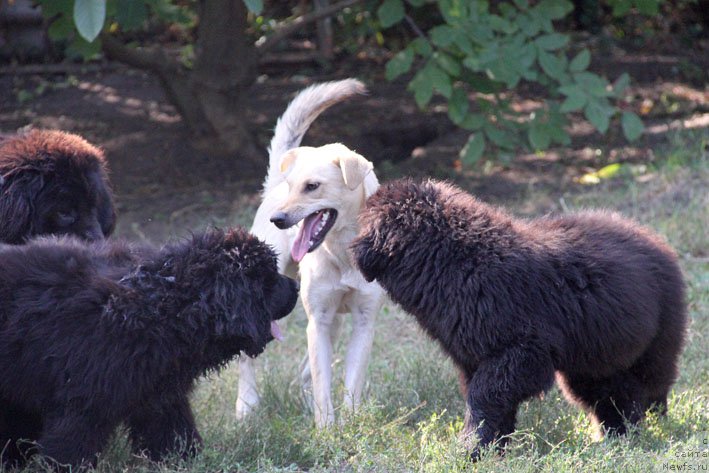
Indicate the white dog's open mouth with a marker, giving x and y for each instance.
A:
(312, 232)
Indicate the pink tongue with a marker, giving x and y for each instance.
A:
(276, 331)
(302, 241)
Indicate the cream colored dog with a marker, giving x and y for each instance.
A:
(311, 200)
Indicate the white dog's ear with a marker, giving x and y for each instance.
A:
(354, 169)
(288, 159)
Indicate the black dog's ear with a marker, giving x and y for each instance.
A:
(107, 218)
(106, 210)
(370, 261)
(17, 196)
(238, 316)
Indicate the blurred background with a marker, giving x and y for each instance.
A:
(504, 97)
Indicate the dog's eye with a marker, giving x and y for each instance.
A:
(65, 219)
(311, 186)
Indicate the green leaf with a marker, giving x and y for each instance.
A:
(80, 48)
(554, 9)
(648, 7)
(442, 35)
(621, 7)
(499, 136)
(458, 105)
(500, 24)
(473, 149)
(539, 136)
(448, 63)
(422, 86)
(61, 28)
(254, 6)
(51, 8)
(522, 4)
(131, 14)
(620, 84)
(416, 3)
(598, 114)
(472, 122)
(440, 80)
(463, 42)
(606, 172)
(421, 47)
(581, 61)
(593, 84)
(573, 103)
(632, 126)
(483, 84)
(553, 41)
(553, 66)
(400, 64)
(89, 16)
(529, 24)
(390, 12)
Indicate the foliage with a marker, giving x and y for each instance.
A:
(81, 21)
(491, 49)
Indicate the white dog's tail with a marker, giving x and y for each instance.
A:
(296, 120)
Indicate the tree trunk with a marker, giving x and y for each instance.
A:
(225, 68)
(210, 97)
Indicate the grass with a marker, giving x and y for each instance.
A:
(413, 412)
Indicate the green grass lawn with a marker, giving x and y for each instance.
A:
(413, 411)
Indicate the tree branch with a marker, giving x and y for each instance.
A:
(287, 29)
(153, 60)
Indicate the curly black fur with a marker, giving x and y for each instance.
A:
(53, 183)
(591, 296)
(92, 335)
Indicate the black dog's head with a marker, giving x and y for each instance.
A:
(401, 218)
(53, 183)
(229, 282)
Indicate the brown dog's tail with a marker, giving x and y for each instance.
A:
(301, 112)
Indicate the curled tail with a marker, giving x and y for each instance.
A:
(301, 112)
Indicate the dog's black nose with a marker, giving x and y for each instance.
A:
(279, 220)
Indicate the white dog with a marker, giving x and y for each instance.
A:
(311, 199)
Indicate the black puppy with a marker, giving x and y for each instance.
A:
(53, 183)
(98, 334)
(592, 297)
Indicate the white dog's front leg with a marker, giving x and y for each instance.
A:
(305, 377)
(248, 397)
(358, 352)
(320, 354)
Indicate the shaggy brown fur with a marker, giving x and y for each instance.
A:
(92, 335)
(592, 297)
(53, 182)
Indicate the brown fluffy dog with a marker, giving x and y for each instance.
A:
(53, 182)
(592, 297)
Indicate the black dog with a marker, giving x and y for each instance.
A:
(591, 296)
(53, 183)
(92, 335)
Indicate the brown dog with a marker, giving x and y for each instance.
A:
(53, 182)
